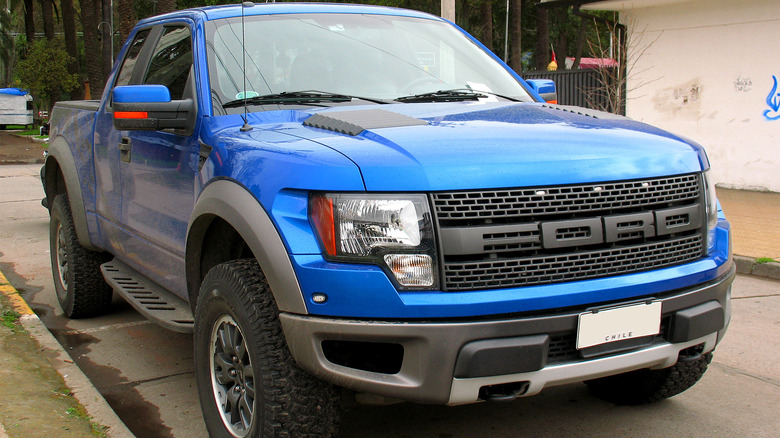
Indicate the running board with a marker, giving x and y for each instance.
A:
(151, 300)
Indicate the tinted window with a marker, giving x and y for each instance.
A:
(171, 61)
(123, 78)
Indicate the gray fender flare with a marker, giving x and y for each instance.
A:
(234, 204)
(60, 151)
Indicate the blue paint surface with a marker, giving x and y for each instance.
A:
(773, 101)
(144, 208)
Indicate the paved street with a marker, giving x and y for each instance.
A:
(146, 373)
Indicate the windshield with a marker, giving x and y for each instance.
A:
(371, 56)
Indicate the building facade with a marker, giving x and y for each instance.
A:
(709, 70)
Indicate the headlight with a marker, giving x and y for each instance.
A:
(712, 210)
(393, 231)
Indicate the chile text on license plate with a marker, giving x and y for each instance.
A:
(617, 324)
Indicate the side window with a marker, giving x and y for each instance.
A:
(123, 78)
(171, 61)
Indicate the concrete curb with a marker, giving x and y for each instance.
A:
(30, 137)
(27, 161)
(96, 406)
(749, 266)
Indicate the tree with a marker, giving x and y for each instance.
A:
(542, 52)
(45, 72)
(71, 45)
(562, 26)
(486, 17)
(127, 17)
(107, 37)
(91, 15)
(47, 8)
(611, 94)
(165, 6)
(516, 31)
(6, 45)
(29, 20)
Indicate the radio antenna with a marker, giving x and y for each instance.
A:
(246, 126)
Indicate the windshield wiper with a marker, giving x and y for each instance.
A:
(288, 97)
(442, 96)
(296, 98)
(513, 99)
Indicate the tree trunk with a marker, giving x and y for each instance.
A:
(542, 52)
(165, 6)
(127, 18)
(47, 14)
(29, 20)
(462, 15)
(107, 37)
(90, 16)
(516, 28)
(562, 42)
(580, 43)
(486, 17)
(69, 26)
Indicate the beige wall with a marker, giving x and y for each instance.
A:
(706, 74)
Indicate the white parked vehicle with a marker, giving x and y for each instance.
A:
(16, 107)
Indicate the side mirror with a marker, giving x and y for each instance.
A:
(150, 108)
(545, 88)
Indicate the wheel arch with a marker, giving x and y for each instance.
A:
(61, 176)
(228, 213)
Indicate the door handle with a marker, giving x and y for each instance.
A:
(124, 149)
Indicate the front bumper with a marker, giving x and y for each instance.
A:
(453, 362)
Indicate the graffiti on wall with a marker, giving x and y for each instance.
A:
(743, 84)
(773, 100)
(681, 101)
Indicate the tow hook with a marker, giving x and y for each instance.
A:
(691, 354)
(504, 392)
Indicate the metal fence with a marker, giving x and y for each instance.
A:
(578, 87)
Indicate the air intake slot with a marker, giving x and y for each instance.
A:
(355, 122)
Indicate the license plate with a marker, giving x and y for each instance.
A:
(618, 324)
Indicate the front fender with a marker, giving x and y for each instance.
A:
(237, 206)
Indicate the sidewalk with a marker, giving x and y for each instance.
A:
(42, 393)
(755, 224)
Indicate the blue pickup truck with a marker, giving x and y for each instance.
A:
(364, 200)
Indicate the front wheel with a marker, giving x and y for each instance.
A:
(647, 386)
(248, 382)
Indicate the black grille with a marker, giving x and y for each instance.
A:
(529, 271)
(563, 348)
(543, 201)
(546, 235)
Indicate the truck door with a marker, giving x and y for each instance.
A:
(158, 171)
(108, 196)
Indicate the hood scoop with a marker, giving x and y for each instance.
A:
(355, 122)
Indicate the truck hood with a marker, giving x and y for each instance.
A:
(474, 145)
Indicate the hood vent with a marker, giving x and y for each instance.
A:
(355, 122)
(596, 114)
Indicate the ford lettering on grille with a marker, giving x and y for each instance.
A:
(575, 232)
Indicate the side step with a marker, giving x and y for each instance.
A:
(151, 300)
